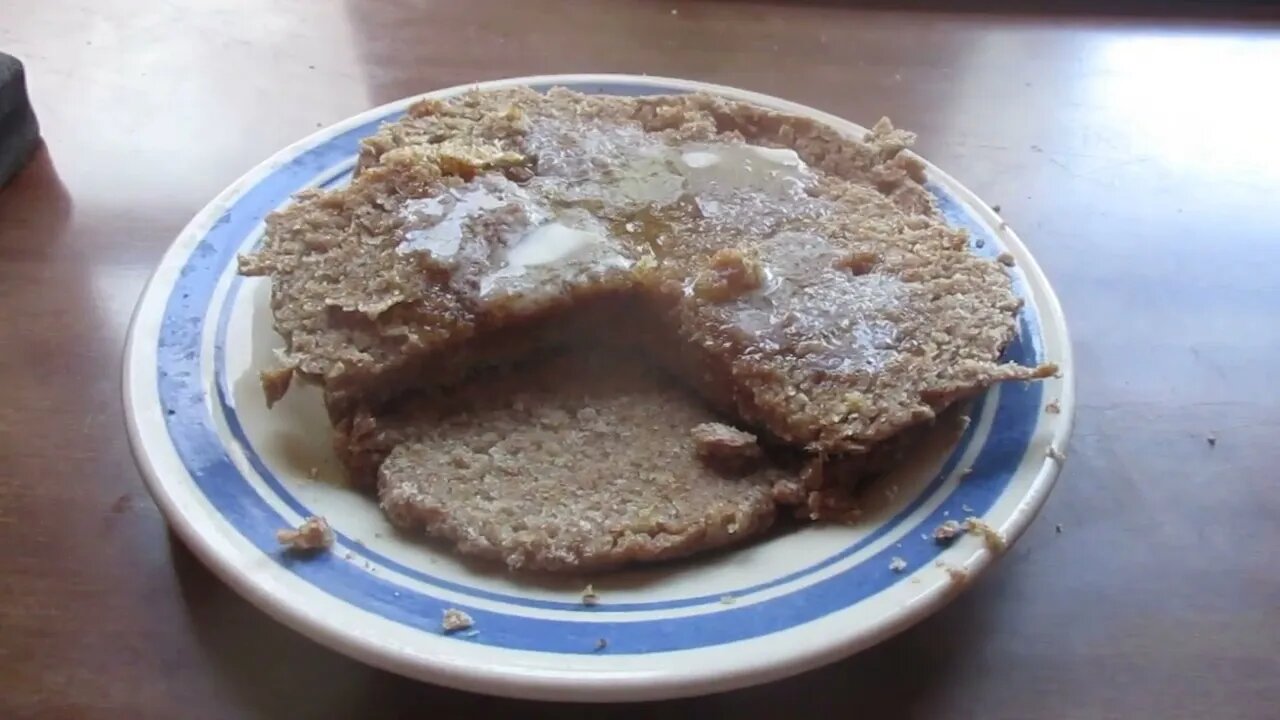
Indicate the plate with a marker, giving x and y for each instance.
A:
(228, 474)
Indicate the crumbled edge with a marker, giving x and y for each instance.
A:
(726, 447)
(947, 531)
(858, 262)
(957, 575)
(589, 596)
(1053, 408)
(730, 274)
(1055, 454)
(313, 534)
(897, 564)
(275, 383)
(992, 537)
(454, 620)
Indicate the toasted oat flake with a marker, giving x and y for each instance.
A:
(455, 620)
(313, 534)
(992, 537)
(947, 531)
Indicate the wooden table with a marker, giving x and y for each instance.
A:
(1140, 160)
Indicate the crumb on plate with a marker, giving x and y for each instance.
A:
(992, 537)
(455, 620)
(313, 534)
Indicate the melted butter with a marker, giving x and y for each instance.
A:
(729, 166)
(439, 225)
(553, 242)
(810, 308)
(555, 251)
(607, 192)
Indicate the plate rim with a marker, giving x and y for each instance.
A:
(602, 686)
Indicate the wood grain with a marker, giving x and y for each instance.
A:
(1138, 158)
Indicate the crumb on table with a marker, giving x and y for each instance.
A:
(589, 596)
(897, 564)
(313, 534)
(1053, 408)
(1055, 454)
(1005, 259)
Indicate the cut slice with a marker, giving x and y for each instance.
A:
(580, 461)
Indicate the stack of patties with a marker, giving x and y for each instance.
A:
(578, 331)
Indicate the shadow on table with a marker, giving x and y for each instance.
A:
(36, 207)
(275, 672)
(1163, 10)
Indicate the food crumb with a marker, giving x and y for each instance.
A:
(728, 599)
(947, 531)
(994, 540)
(730, 274)
(957, 575)
(601, 644)
(1212, 440)
(726, 447)
(897, 564)
(1055, 454)
(1053, 408)
(455, 620)
(967, 472)
(966, 508)
(675, 12)
(1005, 259)
(1058, 528)
(313, 534)
(995, 208)
(589, 596)
(313, 473)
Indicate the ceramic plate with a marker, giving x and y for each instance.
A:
(228, 474)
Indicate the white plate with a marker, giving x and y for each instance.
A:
(227, 474)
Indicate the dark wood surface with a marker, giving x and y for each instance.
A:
(1139, 158)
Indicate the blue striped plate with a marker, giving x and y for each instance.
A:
(228, 474)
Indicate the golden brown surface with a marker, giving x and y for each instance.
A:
(807, 275)
(1136, 157)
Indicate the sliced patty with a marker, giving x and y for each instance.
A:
(580, 462)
